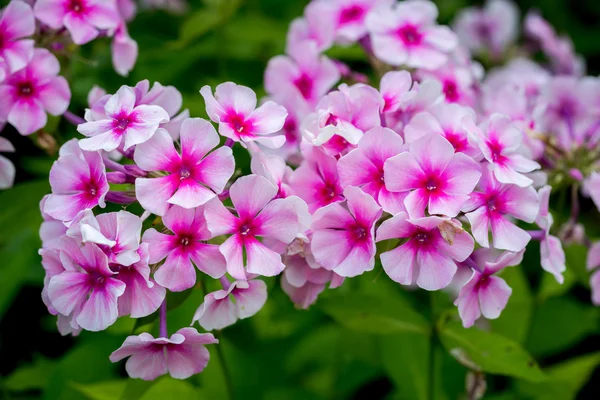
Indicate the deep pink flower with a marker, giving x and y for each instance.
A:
(342, 117)
(493, 206)
(259, 214)
(343, 239)
(489, 29)
(447, 120)
(305, 73)
(124, 123)
(485, 293)
(193, 177)
(363, 167)
(142, 295)
(184, 246)
(429, 256)
(84, 19)
(316, 181)
(552, 255)
(234, 108)
(181, 356)
(500, 142)
(7, 168)
(16, 23)
(219, 309)
(78, 181)
(438, 179)
(593, 262)
(124, 50)
(407, 35)
(28, 94)
(87, 287)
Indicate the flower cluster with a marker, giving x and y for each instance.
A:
(440, 168)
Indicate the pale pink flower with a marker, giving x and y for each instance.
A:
(124, 50)
(28, 94)
(142, 295)
(593, 262)
(233, 107)
(447, 120)
(7, 168)
(427, 258)
(493, 206)
(363, 167)
(408, 35)
(16, 23)
(316, 181)
(219, 309)
(343, 239)
(552, 254)
(185, 245)
(394, 85)
(127, 9)
(181, 356)
(315, 26)
(275, 170)
(84, 19)
(193, 177)
(259, 214)
(421, 97)
(489, 29)
(78, 181)
(124, 123)
(500, 142)
(591, 187)
(485, 293)
(87, 288)
(436, 177)
(459, 82)
(51, 230)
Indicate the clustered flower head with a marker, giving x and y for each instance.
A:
(445, 167)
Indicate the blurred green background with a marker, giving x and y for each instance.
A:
(330, 351)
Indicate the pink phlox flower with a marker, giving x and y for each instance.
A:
(88, 288)
(51, 230)
(591, 188)
(142, 295)
(429, 255)
(181, 356)
(317, 181)
(492, 28)
(275, 170)
(593, 262)
(343, 239)
(28, 94)
(219, 309)
(124, 50)
(500, 142)
(363, 167)
(394, 85)
(552, 254)
(420, 97)
(193, 176)
(7, 168)
(448, 121)
(315, 27)
(437, 178)
(16, 23)
(342, 117)
(124, 123)
(459, 82)
(259, 214)
(78, 182)
(305, 73)
(127, 9)
(185, 247)
(494, 205)
(408, 35)
(84, 19)
(233, 107)
(485, 293)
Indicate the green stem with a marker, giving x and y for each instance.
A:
(226, 374)
(432, 345)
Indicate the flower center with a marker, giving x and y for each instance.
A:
(332, 120)
(359, 232)
(76, 6)
(450, 91)
(185, 240)
(290, 128)
(422, 237)
(410, 35)
(483, 29)
(351, 14)
(237, 123)
(25, 89)
(245, 229)
(431, 184)
(496, 150)
(123, 121)
(566, 110)
(184, 173)
(329, 192)
(491, 204)
(304, 85)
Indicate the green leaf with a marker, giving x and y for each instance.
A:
(577, 320)
(170, 388)
(516, 317)
(108, 390)
(488, 352)
(136, 388)
(551, 288)
(565, 379)
(206, 19)
(371, 313)
(576, 256)
(30, 377)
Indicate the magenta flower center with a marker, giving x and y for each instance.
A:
(91, 189)
(450, 91)
(422, 237)
(351, 14)
(458, 142)
(566, 109)
(496, 150)
(332, 120)
(238, 123)
(304, 85)
(483, 29)
(2, 41)
(185, 240)
(184, 173)
(25, 89)
(359, 233)
(77, 6)
(410, 35)
(290, 127)
(431, 184)
(246, 229)
(123, 121)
